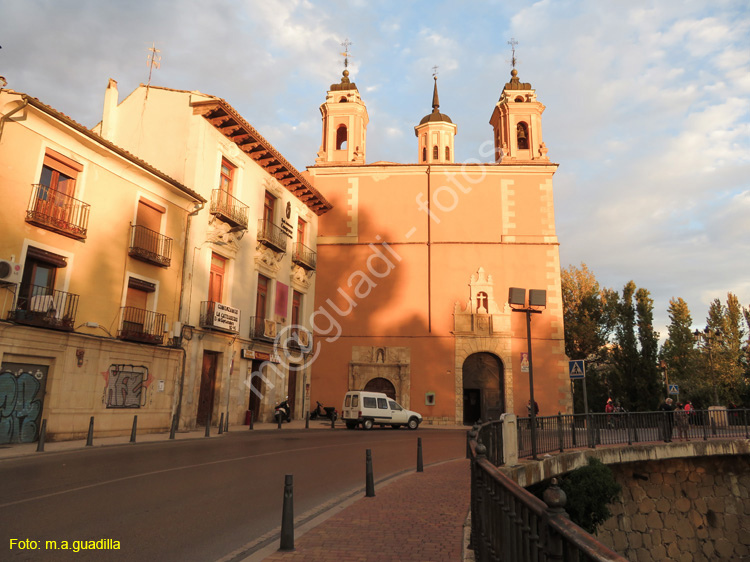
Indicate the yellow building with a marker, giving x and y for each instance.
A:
(250, 263)
(416, 262)
(91, 262)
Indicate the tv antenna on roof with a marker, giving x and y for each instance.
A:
(346, 43)
(154, 61)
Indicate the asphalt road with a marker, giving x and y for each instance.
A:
(196, 499)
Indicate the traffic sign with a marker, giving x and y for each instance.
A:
(577, 369)
(674, 389)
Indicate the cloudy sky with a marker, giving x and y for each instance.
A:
(648, 102)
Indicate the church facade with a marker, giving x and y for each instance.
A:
(416, 261)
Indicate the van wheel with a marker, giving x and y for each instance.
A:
(367, 424)
(413, 423)
(351, 425)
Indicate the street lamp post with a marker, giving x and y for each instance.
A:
(537, 301)
(708, 337)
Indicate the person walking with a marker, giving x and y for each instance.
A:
(681, 417)
(609, 409)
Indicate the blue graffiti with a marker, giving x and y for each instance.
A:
(20, 408)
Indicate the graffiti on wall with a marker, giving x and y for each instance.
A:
(21, 395)
(125, 384)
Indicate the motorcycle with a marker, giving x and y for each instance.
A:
(327, 412)
(282, 412)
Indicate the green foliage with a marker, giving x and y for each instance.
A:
(589, 490)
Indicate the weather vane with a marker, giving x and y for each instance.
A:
(513, 44)
(346, 43)
(434, 71)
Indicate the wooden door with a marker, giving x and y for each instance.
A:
(208, 388)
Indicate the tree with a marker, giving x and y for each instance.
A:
(587, 320)
(635, 377)
(678, 352)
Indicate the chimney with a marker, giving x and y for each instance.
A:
(109, 116)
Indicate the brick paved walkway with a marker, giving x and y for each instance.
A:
(416, 518)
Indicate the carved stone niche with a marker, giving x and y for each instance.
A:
(381, 362)
(480, 315)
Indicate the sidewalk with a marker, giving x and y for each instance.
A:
(417, 517)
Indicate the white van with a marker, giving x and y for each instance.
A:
(370, 408)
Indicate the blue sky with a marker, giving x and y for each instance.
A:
(648, 103)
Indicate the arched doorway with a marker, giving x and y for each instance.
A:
(381, 385)
(483, 385)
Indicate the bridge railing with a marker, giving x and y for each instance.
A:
(573, 431)
(509, 524)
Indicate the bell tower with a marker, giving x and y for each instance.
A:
(517, 123)
(344, 125)
(435, 133)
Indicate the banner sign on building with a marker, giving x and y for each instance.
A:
(226, 317)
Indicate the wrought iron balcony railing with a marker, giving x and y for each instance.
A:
(219, 316)
(271, 235)
(142, 325)
(56, 211)
(150, 246)
(263, 329)
(304, 256)
(45, 307)
(229, 209)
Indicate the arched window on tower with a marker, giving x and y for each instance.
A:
(435, 153)
(424, 154)
(447, 154)
(343, 99)
(522, 135)
(482, 302)
(341, 137)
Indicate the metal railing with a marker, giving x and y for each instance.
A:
(510, 524)
(271, 235)
(304, 256)
(262, 328)
(149, 245)
(141, 325)
(41, 306)
(562, 432)
(229, 209)
(58, 212)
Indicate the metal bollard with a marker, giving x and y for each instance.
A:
(226, 423)
(333, 422)
(173, 429)
(252, 415)
(279, 421)
(135, 428)
(42, 436)
(307, 420)
(90, 437)
(221, 424)
(287, 515)
(208, 426)
(369, 480)
(420, 466)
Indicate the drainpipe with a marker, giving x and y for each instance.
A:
(7, 116)
(198, 207)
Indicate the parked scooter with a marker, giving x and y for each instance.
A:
(282, 411)
(327, 412)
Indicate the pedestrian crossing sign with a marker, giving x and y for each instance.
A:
(577, 369)
(674, 389)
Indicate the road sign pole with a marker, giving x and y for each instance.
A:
(585, 398)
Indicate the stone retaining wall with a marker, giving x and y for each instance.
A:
(683, 509)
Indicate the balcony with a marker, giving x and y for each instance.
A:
(229, 209)
(300, 340)
(46, 308)
(263, 329)
(150, 246)
(304, 256)
(271, 235)
(141, 325)
(217, 316)
(58, 212)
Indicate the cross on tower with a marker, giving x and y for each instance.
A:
(346, 43)
(513, 44)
